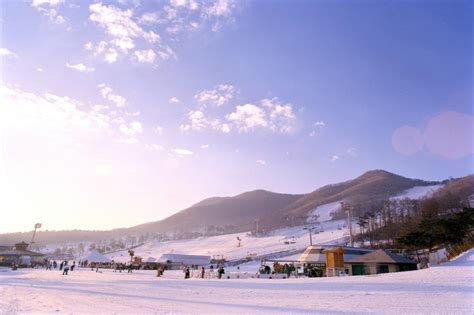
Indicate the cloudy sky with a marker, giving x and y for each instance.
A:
(118, 113)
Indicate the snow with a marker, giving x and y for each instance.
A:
(448, 288)
(325, 211)
(418, 192)
(227, 244)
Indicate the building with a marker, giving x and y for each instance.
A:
(19, 255)
(182, 259)
(328, 260)
(379, 261)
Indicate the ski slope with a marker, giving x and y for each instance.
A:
(447, 289)
(418, 192)
(227, 244)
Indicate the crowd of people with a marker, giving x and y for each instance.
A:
(66, 266)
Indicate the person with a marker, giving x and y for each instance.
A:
(49, 265)
(61, 266)
(66, 268)
(130, 268)
(73, 265)
(203, 271)
(55, 264)
(220, 271)
(186, 272)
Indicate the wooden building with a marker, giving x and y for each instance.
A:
(379, 261)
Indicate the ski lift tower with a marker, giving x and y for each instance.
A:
(37, 226)
(347, 207)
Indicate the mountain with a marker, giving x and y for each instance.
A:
(369, 188)
(237, 213)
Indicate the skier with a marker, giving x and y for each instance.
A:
(61, 266)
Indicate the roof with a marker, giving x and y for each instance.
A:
(15, 252)
(316, 254)
(96, 257)
(381, 256)
(185, 259)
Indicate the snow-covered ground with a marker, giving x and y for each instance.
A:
(418, 192)
(447, 289)
(324, 211)
(227, 244)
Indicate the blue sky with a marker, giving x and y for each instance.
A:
(145, 107)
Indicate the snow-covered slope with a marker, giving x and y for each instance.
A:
(448, 289)
(324, 211)
(227, 244)
(418, 192)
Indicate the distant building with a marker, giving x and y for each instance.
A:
(182, 259)
(379, 261)
(19, 255)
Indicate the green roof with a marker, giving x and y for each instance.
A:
(381, 256)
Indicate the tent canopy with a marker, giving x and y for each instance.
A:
(96, 257)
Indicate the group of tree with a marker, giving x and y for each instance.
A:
(443, 219)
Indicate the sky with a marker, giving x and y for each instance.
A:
(116, 113)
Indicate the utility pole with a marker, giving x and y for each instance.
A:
(310, 229)
(37, 226)
(345, 206)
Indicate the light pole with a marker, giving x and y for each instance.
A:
(37, 226)
(346, 207)
(310, 229)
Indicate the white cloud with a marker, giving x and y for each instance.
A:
(247, 117)
(145, 56)
(334, 158)
(312, 133)
(119, 24)
(151, 37)
(51, 115)
(130, 140)
(47, 8)
(182, 152)
(281, 114)
(37, 3)
(218, 96)
(132, 129)
(154, 147)
(158, 130)
(352, 152)
(107, 93)
(150, 18)
(186, 4)
(220, 8)
(167, 53)
(8, 53)
(319, 124)
(205, 146)
(174, 99)
(80, 67)
(39, 69)
(261, 162)
(197, 120)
